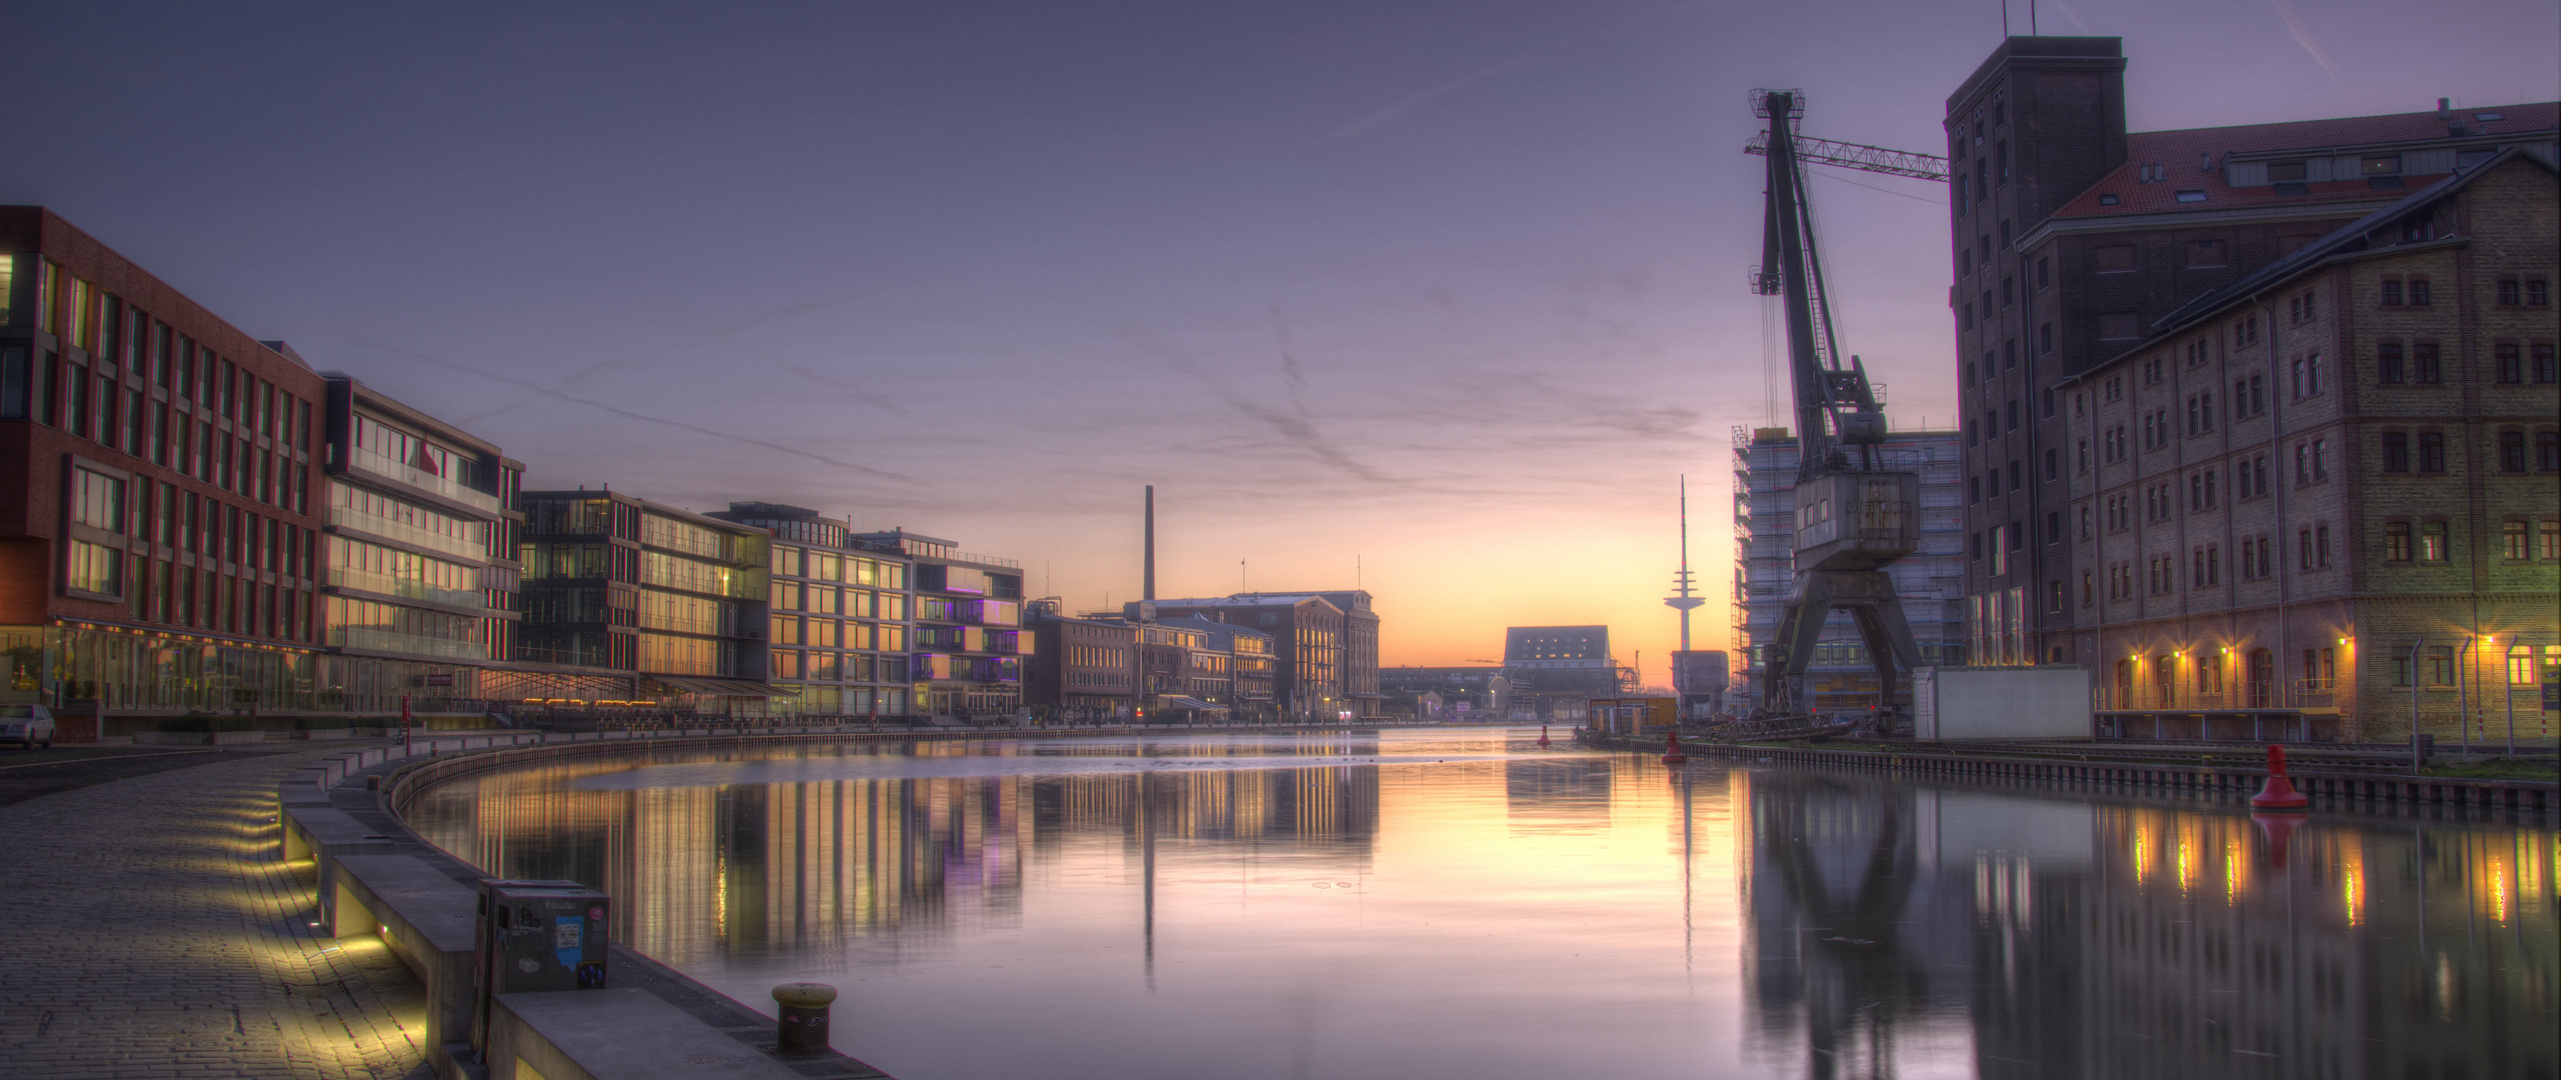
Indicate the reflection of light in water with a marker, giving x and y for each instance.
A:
(2352, 882)
(2186, 861)
(2142, 850)
(2231, 869)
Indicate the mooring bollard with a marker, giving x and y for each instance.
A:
(801, 1025)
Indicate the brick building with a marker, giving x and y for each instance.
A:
(2072, 237)
(2329, 493)
(1076, 663)
(1307, 633)
(161, 551)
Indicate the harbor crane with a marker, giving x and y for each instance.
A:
(1856, 512)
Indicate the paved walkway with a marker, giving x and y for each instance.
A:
(150, 931)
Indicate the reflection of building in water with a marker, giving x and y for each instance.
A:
(1570, 794)
(2385, 952)
(2117, 941)
(1327, 802)
(811, 867)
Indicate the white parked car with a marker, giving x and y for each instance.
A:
(26, 725)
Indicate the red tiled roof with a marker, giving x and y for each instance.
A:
(2181, 155)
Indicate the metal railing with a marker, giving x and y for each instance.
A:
(405, 588)
(384, 465)
(370, 639)
(402, 531)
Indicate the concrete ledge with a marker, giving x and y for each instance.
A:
(427, 919)
(324, 836)
(613, 1035)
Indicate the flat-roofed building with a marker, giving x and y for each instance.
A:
(161, 550)
(966, 655)
(838, 628)
(419, 563)
(631, 601)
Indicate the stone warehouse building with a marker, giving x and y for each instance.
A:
(2328, 495)
(2074, 238)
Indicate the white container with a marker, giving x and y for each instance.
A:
(2046, 701)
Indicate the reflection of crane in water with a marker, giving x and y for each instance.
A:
(1856, 970)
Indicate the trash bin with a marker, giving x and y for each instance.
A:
(535, 936)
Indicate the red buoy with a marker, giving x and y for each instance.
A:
(1672, 754)
(1542, 734)
(2279, 794)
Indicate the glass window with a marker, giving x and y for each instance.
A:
(97, 500)
(96, 568)
(2432, 541)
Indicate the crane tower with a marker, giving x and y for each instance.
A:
(1855, 513)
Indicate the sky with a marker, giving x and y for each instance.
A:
(1438, 299)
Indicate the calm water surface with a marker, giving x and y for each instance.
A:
(1429, 905)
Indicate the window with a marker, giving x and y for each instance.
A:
(2512, 541)
(2551, 530)
(2431, 451)
(1973, 434)
(2546, 370)
(97, 500)
(2044, 272)
(2424, 365)
(2432, 541)
(1974, 489)
(2009, 291)
(2054, 526)
(2321, 546)
(2507, 363)
(2320, 460)
(2387, 363)
(2303, 549)
(2014, 416)
(2512, 451)
(2053, 469)
(95, 568)
(2085, 523)
(2014, 474)
(2537, 292)
(2396, 451)
(2082, 454)
(2205, 253)
(2509, 293)
(2285, 171)
(2418, 292)
(2045, 338)
(2396, 541)
(2547, 451)
(2391, 291)
(2312, 375)
(2382, 165)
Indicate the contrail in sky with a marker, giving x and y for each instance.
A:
(645, 417)
(2303, 37)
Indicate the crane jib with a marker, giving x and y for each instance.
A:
(1855, 514)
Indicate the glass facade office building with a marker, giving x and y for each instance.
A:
(841, 613)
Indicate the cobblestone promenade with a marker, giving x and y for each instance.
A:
(151, 931)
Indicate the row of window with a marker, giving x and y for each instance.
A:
(837, 667)
(829, 600)
(829, 566)
(831, 634)
(169, 516)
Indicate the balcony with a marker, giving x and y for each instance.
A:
(382, 465)
(405, 588)
(372, 640)
(459, 548)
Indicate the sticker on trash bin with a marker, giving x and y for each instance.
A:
(568, 934)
